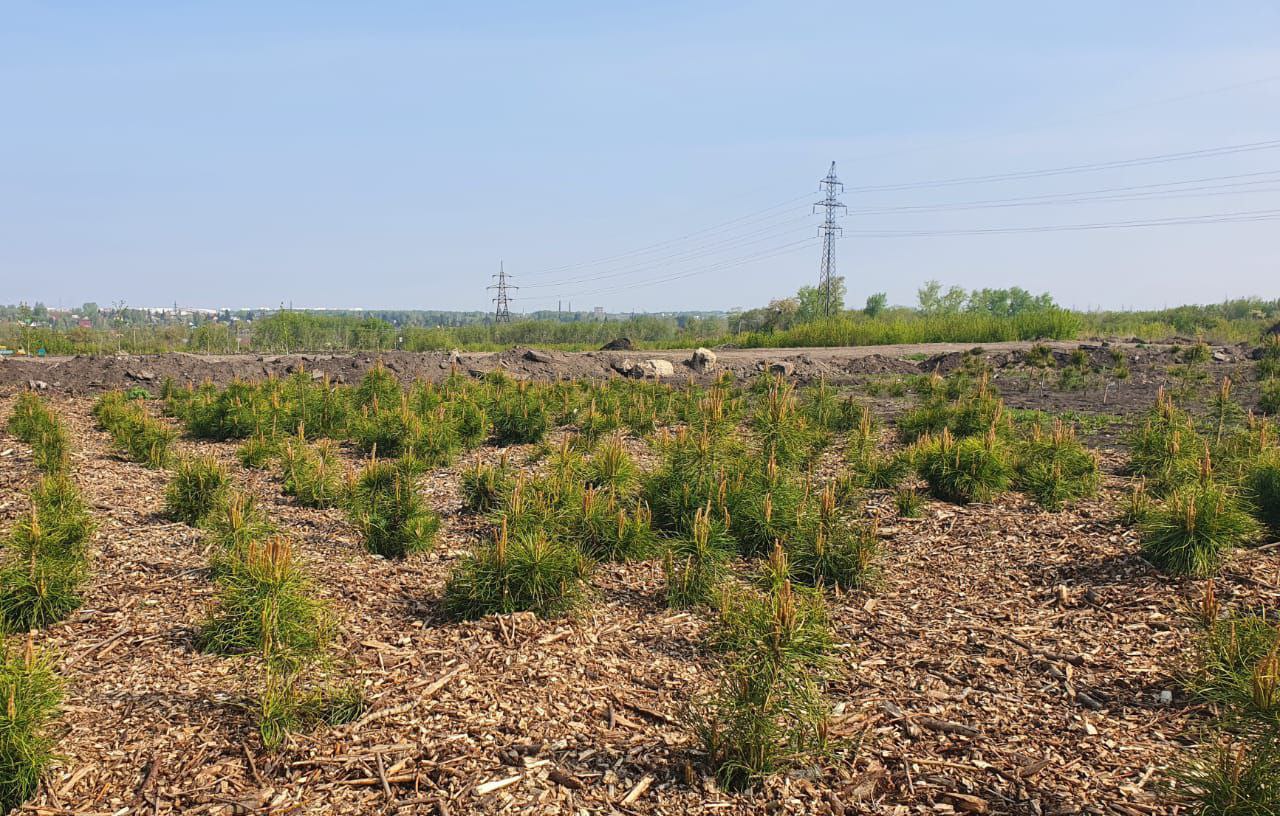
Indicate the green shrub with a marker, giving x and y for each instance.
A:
(265, 605)
(519, 416)
(610, 468)
(1234, 665)
(312, 474)
(781, 429)
(1269, 400)
(258, 451)
(696, 563)
(140, 436)
(1055, 468)
(769, 714)
(63, 514)
(1262, 486)
(33, 423)
(196, 488)
(964, 470)
(385, 505)
(908, 503)
(46, 558)
(529, 572)
(1192, 531)
(1235, 777)
(32, 695)
(285, 705)
(388, 432)
(237, 523)
(485, 487)
(379, 389)
(1269, 360)
(833, 549)
(604, 531)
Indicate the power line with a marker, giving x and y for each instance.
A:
(1127, 193)
(1141, 161)
(1243, 216)
(661, 244)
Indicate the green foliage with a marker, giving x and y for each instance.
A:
(1054, 468)
(1195, 527)
(610, 468)
(833, 548)
(484, 487)
(605, 531)
(1269, 399)
(286, 705)
(964, 470)
(32, 695)
(1269, 358)
(258, 451)
(1231, 778)
(529, 572)
(908, 503)
(33, 423)
(954, 407)
(46, 558)
(196, 488)
(519, 416)
(1166, 449)
(1263, 489)
(311, 473)
(1235, 665)
(391, 515)
(781, 429)
(769, 714)
(378, 390)
(696, 563)
(236, 524)
(140, 436)
(265, 605)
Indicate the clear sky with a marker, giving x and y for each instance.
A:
(637, 156)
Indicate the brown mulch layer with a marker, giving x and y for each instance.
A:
(1009, 661)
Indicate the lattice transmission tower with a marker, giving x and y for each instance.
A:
(502, 301)
(829, 231)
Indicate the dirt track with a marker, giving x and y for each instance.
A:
(88, 374)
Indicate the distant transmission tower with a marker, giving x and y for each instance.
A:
(502, 305)
(829, 231)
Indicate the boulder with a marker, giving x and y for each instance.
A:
(537, 356)
(143, 375)
(783, 367)
(703, 360)
(660, 368)
(37, 385)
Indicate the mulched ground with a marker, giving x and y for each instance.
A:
(1010, 661)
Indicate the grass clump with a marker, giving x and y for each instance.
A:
(1191, 532)
(1233, 777)
(266, 606)
(195, 490)
(288, 703)
(528, 572)
(1054, 468)
(384, 503)
(30, 700)
(1269, 399)
(964, 470)
(610, 468)
(769, 714)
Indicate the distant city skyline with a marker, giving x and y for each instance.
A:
(653, 158)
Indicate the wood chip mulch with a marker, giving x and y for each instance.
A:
(1009, 661)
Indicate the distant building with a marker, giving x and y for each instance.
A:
(598, 311)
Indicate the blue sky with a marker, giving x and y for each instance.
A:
(635, 156)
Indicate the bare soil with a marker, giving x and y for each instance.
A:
(1009, 661)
